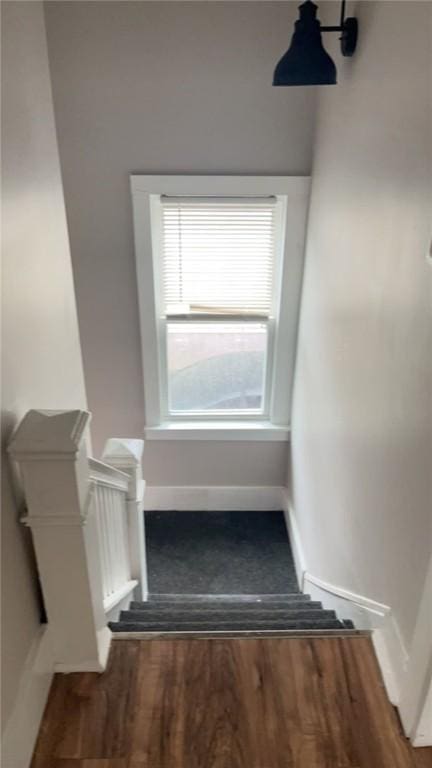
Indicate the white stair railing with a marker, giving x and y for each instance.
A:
(110, 506)
(87, 523)
(126, 455)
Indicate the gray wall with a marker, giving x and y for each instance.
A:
(41, 357)
(162, 87)
(362, 414)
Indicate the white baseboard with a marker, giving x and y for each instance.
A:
(415, 708)
(364, 612)
(22, 728)
(104, 637)
(423, 732)
(392, 657)
(294, 537)
(367, 614)
(213, 498)
(111, 602)
(113, 613)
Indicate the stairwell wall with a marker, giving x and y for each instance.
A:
(177, 87)
(361, 482)
(41, 355)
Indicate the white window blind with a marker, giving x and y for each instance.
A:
(218, 256)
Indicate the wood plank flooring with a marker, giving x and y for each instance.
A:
(227, 703)
(423, 757)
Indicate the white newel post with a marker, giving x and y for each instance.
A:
(126, 454)
(50, 448)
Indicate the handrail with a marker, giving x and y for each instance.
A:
(105, 474)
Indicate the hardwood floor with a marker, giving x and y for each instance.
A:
(423, 757)
(227, 703)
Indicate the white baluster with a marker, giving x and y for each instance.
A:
(112, 511)
(126, 455)
(111, 539)
(100, 531)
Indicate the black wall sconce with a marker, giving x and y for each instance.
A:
(306, 62)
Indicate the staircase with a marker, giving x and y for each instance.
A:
(232, 614)
(217, 564)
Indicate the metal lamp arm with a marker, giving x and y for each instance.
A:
(349, 29)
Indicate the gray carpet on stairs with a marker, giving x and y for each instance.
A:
(227, 553)
(255, 614)
(222, 572)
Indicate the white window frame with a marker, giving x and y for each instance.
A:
(292, 193)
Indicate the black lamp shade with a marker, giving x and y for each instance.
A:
(306, 62)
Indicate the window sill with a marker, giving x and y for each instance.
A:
(235, 430)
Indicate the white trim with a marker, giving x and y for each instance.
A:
(123, 452)
(107, 475)
(418, 677)
(137, 541)
(49, 435)
(53, 521)
(123, 605)
(392, 656)
(145, 241)
(245, 430)
(98, 664)
(213, 498)
(422, 736)
(363, 611)
(112, 600)
(21, 731)
(293, 222)
(294, 537)
(293, 192)
(126, 454)
(367, 614)
(422, 740)
(372, 606)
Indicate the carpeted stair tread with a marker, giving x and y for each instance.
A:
(178, 615)
(219, 552)
(226, 626)
(222, 613)
(220, 606)
(348, 624)
(232, 598)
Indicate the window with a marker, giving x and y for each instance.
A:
(216, 367)
(219, 264)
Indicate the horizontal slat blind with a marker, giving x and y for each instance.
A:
(218, 255)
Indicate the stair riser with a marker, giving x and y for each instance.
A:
(221, 606)
(227, 613)
(191, 598)
(220, 616)
(183, 626)
(169, 608)
(239, 633)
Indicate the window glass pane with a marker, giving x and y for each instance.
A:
(216, 366)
